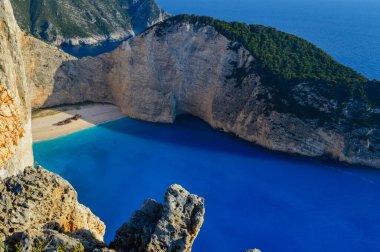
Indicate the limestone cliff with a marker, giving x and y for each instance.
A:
(35, 199)
(191, 68)
(172, 226)
(41, 64)
(55, 77)
(40, 210)
(15, 139)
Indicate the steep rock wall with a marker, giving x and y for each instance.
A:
(187, 68)
(15, 141)
(192, 69)
(41, 64)
(57, 78)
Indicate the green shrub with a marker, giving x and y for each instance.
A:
(18, 246)
(3, 247)
(282, 59)
(39, 246)
(61, 247)
(78, 248)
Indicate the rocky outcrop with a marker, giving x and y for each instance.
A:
(172, 226)
(40, 209)
(51, 239)
(36, 199)
(15, 140)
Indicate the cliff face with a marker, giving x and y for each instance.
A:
(86, 22)
(41, 64)
(36, 199)
(171, 226)
(15, 140)
(187, 68)
(193, 69)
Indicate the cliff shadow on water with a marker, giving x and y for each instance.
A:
(82, 51)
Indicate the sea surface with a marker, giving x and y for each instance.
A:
(254, 198)
(81, 51)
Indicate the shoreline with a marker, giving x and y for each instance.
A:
(43, 120)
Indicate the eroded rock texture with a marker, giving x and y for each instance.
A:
(36, 199)
(10, 126)
(15, 140)
(54, 239)
(172, 226)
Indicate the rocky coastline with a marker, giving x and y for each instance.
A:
(40, 210)
(174, 69)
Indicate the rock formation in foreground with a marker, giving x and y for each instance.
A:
(36, 199)
(39, 208)
(265, 86)
(171, 226)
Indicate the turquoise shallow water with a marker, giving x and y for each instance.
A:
(254, 198)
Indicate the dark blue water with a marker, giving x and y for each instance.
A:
(254, 198)
(349, 30)
(81, 51)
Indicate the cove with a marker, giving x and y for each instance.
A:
(254, 198)
(81, 51)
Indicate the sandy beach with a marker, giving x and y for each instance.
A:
(43, 121)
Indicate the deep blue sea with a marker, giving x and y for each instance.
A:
(81, 51)
(254, 198)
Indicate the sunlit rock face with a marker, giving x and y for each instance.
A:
(171, 226)
(185, 68)
(15, 140)
(36, 199)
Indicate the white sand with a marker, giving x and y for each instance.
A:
(92, 114)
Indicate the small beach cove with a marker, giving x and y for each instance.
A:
(254, 197)
(50, 123)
